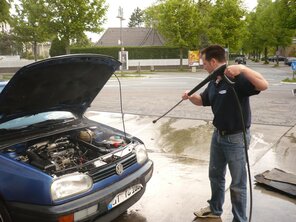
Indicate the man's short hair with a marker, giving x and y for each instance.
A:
(214, 52)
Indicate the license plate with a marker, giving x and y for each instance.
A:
(123, 196)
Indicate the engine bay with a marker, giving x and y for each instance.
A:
(69, 152)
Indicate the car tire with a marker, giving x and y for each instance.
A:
(4, 215)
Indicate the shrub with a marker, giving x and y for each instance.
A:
(160, 52)
(58, 47)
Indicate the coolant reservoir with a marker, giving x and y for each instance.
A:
(86, 135)
(116, 141)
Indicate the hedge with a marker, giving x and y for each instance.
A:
(160, 52)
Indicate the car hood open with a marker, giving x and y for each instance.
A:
(66, 83)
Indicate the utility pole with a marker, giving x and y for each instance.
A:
(120, 16)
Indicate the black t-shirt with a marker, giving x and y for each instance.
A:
(224, 105)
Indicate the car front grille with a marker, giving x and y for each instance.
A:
(103, 172)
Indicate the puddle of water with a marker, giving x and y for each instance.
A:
(188, 160)
(188, 139)
(194, 139)
(292, 138)
(131, 216)
(284, 153)
(183, 137)
(175, 189)
(264, 138)
(276, 203)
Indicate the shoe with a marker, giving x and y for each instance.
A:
(205, 212)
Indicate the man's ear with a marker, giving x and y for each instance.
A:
(213, 62)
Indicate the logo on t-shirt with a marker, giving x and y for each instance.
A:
(224, 91)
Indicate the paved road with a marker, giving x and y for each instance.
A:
(157, 93)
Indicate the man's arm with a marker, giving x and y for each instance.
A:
(254, 77)
(195, 98)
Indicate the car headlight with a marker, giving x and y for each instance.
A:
(141, 153)
(69, 185)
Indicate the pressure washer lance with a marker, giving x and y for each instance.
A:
(217, 72)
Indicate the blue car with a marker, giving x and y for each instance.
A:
(289, 60)
(55, 164)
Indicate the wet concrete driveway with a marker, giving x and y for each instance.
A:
(180, 185)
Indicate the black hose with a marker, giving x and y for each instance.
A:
(231, 83)
(121, 106)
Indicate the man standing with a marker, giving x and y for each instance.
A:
(227, 145)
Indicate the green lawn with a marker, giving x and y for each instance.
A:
(289, 80)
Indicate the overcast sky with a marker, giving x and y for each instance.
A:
(128, 8)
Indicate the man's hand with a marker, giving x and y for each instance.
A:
(185, 95)
(194, 98)
(233, 70)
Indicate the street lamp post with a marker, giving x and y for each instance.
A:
(120, 16)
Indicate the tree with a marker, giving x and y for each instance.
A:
(70, 19)
(267, 29)
(136, 19)
(84, 41)
(227, 23)
(58, 47)
(287, 9)
(204, 8)
(178, 21)
(4, 11)
(150, 16)
(6, 44)
(251, 41)
(29, 23)
(282, 29)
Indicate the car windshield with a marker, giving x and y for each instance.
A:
(26, 121)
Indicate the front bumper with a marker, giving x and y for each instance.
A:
(33, 213)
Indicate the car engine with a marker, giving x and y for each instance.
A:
(69, 152)
(55, 155)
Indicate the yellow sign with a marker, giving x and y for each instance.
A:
(193, 58)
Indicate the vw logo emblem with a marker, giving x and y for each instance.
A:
(119, 168)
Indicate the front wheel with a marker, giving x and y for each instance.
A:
(4, 215)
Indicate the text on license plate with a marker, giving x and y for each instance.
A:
(123, 196)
